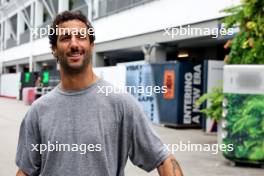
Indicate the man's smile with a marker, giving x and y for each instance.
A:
(75, 56)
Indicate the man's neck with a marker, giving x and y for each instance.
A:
(78, 81)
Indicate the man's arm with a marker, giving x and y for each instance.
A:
(170, 167)
(20, 173)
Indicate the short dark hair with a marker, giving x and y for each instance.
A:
(67, 16)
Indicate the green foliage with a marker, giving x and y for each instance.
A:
(245, 119)
(247, 47)
(245, 113)
(215, 98)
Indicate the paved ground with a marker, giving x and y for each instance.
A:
(193, 163)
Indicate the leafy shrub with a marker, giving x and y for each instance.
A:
(215, 98)
(247, 47)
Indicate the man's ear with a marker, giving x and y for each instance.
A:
(92, 46)
(54, 51)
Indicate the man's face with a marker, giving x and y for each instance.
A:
(73, 49)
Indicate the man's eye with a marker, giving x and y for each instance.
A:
(81, 36)
(65, 37)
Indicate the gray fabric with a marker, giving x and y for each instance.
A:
(116, 121)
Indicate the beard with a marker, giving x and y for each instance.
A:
(70, 70)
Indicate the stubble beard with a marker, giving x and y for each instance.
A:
(69, 70)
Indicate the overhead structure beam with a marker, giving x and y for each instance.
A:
(11, 29)
(48, 8)
(52, 6)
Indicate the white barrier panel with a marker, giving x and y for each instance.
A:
(115, 75)
(10, 84)
(244, 79)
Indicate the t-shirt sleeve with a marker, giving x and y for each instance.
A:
(146, 148)
(28, 158)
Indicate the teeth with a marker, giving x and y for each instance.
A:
(75, 54)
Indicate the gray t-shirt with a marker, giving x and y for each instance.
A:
(86, 133)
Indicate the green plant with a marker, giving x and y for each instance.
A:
(244, 114)
(215, 98)
(247, 47)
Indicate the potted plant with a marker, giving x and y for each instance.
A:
(214, 109)
(242, 114)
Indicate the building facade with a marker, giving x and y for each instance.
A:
(126, 30)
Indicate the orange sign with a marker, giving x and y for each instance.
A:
(169, 82)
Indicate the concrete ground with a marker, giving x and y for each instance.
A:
(193, 163)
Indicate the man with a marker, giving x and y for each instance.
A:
(75, 129)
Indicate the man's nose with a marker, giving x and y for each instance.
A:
(74, 42)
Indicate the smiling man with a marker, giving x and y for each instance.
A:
(74, 130)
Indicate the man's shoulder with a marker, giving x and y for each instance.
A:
(45, 99)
